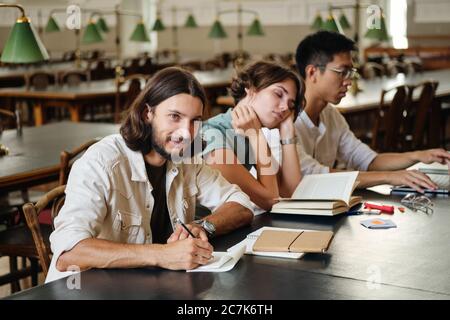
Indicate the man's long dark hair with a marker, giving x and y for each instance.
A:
(166, 83)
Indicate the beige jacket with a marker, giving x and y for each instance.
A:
(108, 196)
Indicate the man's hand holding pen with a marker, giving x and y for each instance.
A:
(183, 231)
(187, 248)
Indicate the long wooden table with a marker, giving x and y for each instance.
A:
(407, 262)
(34, 156)
(75, 98)
(369, 98)
(8, 72)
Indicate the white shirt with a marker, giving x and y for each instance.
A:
(319, 147)
(108, 196)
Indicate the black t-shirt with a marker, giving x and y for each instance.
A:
(160, 221)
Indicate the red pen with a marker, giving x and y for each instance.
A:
(383, 208)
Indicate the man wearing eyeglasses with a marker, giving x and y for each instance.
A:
(325, 63)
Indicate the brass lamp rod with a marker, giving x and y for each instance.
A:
(114, 12)
(117, 13)
(175, 30)
(239, 11)
(18, 6)
(356, 21)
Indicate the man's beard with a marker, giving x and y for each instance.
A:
(161, 151)
(158, 146)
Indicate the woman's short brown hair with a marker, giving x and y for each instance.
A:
(262, 74)
(163, 85)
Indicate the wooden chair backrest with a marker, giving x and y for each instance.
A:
(135, 83)
(418, 111)
(68, 157)
(32, 211)
(387, 128)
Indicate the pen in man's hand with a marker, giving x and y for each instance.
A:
(186, 228)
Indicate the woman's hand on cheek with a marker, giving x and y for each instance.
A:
(286, 126)
(245, 120)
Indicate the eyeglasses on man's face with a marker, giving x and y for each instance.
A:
(344, 73)
(417, 203)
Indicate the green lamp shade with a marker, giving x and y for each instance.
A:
(140, 34)
(158, 26)
(52, 25)
(92, 34)
(23, 44)
(101, 25)
(317, 23)
(330, 24)
(217, 31)
(344, 22)
(190, 22)
(378, 34)
(255, 29)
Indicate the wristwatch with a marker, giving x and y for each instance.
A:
(289, 141)
(209, 227)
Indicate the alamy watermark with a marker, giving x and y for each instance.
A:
(374, 19)
(73, 281)
(73, 20)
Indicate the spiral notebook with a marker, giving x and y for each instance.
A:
(251, 238)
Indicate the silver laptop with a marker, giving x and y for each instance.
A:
(440, 177)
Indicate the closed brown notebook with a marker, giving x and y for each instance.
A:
(293, 241)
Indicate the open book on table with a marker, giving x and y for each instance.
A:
(325, 194)
(284, 242)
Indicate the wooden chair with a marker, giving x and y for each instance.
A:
(146, 66)
(387, 128)
(413, 66)
(40, 237)
(94, 54)
(12, 81)
(164, 54)
(192, 65)
(73, 77)
(16, 241)
(225, 58)
(213, 64)
(417, 114)
(68, 157)
(394, 67)
(40, 80)
(371, 70)
(69, 56)
(131, 66)
(135, 83)
(19, 241)
(101, 69)
(33, 211)
(14, 119)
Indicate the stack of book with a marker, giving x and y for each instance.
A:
(325, 194)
